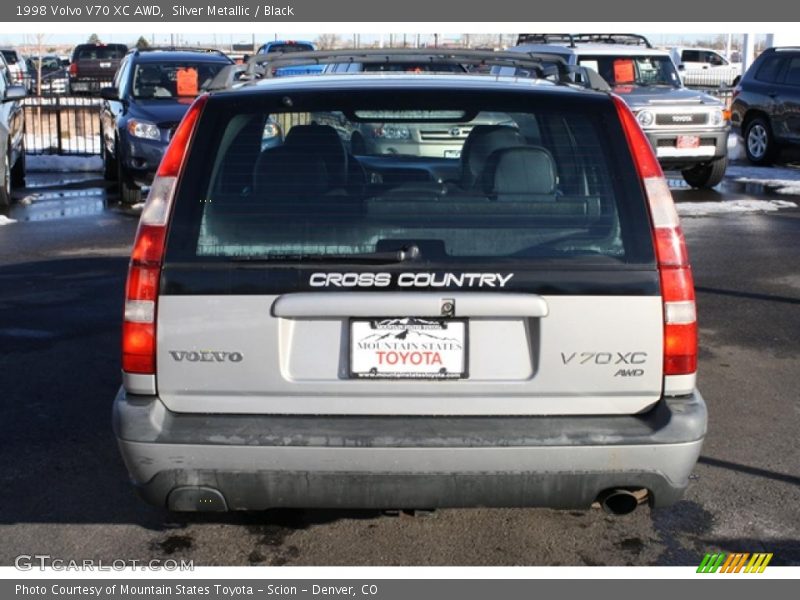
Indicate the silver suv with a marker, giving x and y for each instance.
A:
(514, 326)
(687, 128)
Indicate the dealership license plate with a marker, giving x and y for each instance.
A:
(452, 153)
(105, 65)
(688, 141)
(408, 348)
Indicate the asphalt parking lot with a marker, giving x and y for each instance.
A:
(62, 272)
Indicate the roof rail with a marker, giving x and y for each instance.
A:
(570, 39)
(178, 49)
(262, 66)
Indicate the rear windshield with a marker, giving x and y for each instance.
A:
(634, 70)
(172, 79)
(447, 178)
(109, 52)
(290, 48)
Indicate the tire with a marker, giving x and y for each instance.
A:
(109, 164)
(707, 175)
(18, 171)
(5, 189)
(129, 193)
(759, 143)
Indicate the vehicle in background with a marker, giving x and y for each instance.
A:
(93, 66)
(55, 79)
(150, 93)
(705, 67)
(687, 128)
(286, 46)
(514, 326)
(12, 135)
(766, 104)
(18, 73)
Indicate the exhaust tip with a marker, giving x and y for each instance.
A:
(621, 501)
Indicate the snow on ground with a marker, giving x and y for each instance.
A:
(785, 180)
(701, 209)
(62, 164)
(4, 220)
(735, 148)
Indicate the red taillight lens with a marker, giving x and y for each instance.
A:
(73, 69)
(144, 272)
(677, 286)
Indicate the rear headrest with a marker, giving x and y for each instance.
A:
(520, 174)
(149, 75)
(323, 142)
(481, 142)
(287, 174)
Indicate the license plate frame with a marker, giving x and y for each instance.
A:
(423, 331)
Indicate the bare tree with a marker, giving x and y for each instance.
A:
(327, 41)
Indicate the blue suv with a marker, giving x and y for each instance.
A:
(151, 92)
(292, 46)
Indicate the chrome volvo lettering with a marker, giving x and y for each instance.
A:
(350, 279)
(205, 356)
(604, 358)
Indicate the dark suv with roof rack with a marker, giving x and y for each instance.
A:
(151, 92)
(513, 325)
(687, 128)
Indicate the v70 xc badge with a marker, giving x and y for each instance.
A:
(605, 358)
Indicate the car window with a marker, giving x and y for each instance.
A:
(769, 69)
(714, 59)
(100, 52)
(633, 70)
(690, 56)
(415, 67)
(476, 180)
(290, 48)
(172, 79)
(10, 56)
(793, 72)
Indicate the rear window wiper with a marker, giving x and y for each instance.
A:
(404, 254)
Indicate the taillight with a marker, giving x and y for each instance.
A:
(73, 69)
(677, 286)
(144, 272)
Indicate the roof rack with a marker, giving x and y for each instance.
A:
(178, 49)
(262, 66)
(570, 39)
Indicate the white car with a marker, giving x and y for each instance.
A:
(18, 73)
(705, 67)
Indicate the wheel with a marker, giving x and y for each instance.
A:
(18, 170)
(5, 189)
(129, 192)
(109, 163)
(759, 144)
(707, 175)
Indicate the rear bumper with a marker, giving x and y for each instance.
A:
(254, 462)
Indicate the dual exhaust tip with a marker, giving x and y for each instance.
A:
(621, 501)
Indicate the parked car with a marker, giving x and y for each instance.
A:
(55, 79)
(93, 66)
(18, 73)
(705, 67)
(687, 128)
(12, 135)
(287, 46)
(150, 94)
(514, 326)
(766, 104)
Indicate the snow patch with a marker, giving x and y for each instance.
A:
(735, 149)
(701, 209)
(784, 180)
(4, 220)
(63, 164)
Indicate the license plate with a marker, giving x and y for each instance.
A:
(105, 65)
(80, 86)
(408, 348)
(452, 153)
(687, 141)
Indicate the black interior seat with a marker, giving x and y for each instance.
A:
(480, 144)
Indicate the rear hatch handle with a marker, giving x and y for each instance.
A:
(312, 305)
